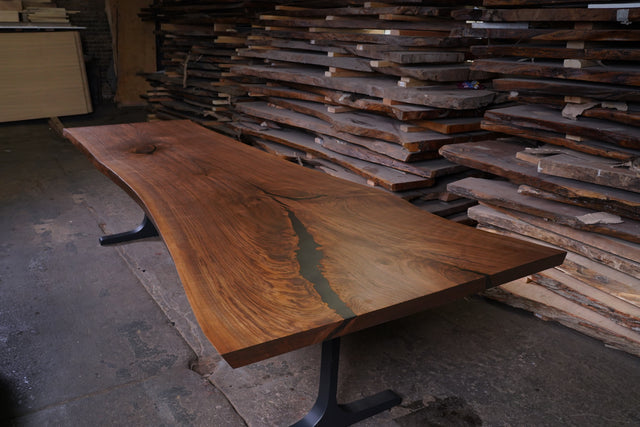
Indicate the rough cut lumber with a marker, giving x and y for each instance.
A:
(618, 310)
(622, 175)
(629, 117)
(545, 118)
(545, 15)
(412, 56)
(274, 257)
(538, 51)
(604, 35)
(448, 126)
(434, 73)
(618, 74)
(593, 273)
(537, 3)
(432, 39)
(345, 153)
(602, 92)
(386, 8)
(445, 209)
(620, 255)
(404, 112)
(499, 158)
(375, 126)
(262, 110)
(407, 150)
(574, 67)
(602, 277)
(380, 87)
(588, 146)
(431, 168)
(506, 195)
(550, 306)
(296, 57)
(376, 174)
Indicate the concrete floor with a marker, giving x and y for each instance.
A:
(104, 336)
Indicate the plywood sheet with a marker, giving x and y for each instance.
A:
(42, 75)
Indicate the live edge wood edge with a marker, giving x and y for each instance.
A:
(241, 226)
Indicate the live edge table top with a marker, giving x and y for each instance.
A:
(274, 256)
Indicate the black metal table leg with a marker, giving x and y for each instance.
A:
(144, 230)
(327, 411)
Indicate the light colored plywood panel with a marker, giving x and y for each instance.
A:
(42, 75)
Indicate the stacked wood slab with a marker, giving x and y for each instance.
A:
(37, 12)
(198, 45)
(10, 11)
(571, 165)
(44, 12)
(373, 92)
(368, 92)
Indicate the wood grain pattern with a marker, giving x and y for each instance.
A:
(603, 92)
(544, 15)
(593, 169)
(381, 87)
(274, 257)
(499, 157)
(537, 51)
(619, 75)
(388, 177)
(506, 195)
(545, 118)
(609, 251)
(548, 305)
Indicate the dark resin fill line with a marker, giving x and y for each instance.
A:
(309, 257)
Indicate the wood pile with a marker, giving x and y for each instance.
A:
(39, 15)
(34, 12)
(10, 10)
(198, 46)
(367, 92)
(44, 12)
(571, 164)
(377, 93)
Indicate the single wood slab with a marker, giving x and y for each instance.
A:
(274, 257)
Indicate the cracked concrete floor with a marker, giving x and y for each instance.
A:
(105, 336)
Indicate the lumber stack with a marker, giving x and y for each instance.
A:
(35, 12)
(44, 12)
(10, 10)
(570, 167)
(367, 92)
(198, 46)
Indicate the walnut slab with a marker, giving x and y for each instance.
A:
(274, 257)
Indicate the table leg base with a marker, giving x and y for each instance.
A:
(327, 411)
(144, 230)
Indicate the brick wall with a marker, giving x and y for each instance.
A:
(96, 44)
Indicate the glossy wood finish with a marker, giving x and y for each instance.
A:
(274, 257)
